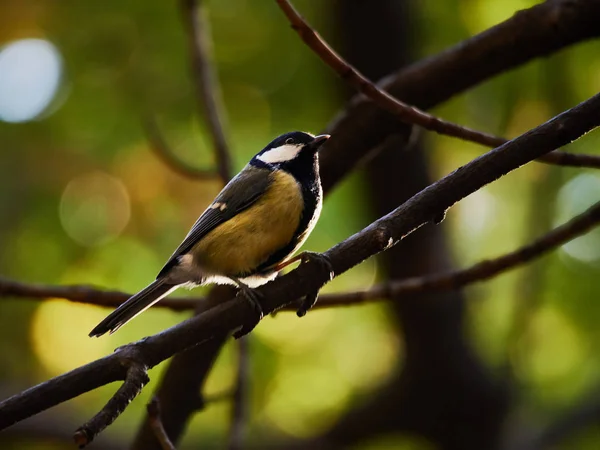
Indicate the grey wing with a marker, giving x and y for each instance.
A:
(241, 192)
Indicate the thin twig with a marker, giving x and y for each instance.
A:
(230, 316)
(54, 427)
(406, 113)
(135, 380)
(208, 92)
(161, 148)
(82, 294)
(362, 127)
(153, 409)
(480, 271)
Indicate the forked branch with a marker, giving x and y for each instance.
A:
(228, 317)
(480, 271)
(406, 113)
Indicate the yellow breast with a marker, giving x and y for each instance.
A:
(241, 244)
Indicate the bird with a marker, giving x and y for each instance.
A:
(248, 233)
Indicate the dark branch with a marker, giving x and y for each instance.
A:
(538, 31)
(208, 98)
(135, 379)
(83, 294)
(161, 148)
(208, 93)
(228, 317)
(407, 113)
(52, 427)
(153, 409)
(181, 388)
(481, 271)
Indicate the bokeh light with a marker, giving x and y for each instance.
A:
(556, 353)
(574, 197)
(308, 410)
(94, 208)
(87, 202)
(30, 75)
(59, 324)
(476, 212)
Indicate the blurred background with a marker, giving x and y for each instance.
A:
(84, 200)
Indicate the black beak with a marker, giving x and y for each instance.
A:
(319, 140)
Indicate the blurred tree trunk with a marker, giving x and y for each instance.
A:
(441, 391)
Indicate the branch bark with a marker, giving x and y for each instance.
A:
(153, 409)
(537, 31)
(406, 113)
(208, 91)
(180, 391)
(443, 281)
(379, 236)
(481, 271)
(136, 378)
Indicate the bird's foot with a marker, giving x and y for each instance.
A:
(253, 297)
(310, 299)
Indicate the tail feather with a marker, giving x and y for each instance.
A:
(135, 305)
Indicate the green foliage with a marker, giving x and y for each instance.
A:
(126, 58)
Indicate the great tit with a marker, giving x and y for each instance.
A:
(248, 233)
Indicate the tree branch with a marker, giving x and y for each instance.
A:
(379, 236)
(481, 271)
(181, 388)
(153, 409)
(537, 31)
(82, 294)
(208, 92)
(208, 96)
(53, 427)
(135, 379)
(406, 113)
(456, 279)
(161, 148)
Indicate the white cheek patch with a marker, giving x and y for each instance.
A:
(280, 154)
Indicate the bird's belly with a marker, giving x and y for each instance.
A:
(238, 246)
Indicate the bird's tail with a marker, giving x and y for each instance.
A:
(133, 306)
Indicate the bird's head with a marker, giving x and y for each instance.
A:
(289, 149)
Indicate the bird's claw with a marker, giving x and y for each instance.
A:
(310, 299)
(253, 298)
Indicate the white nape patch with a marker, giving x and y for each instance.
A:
(280, 154)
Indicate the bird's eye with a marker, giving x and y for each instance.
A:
(289, 141)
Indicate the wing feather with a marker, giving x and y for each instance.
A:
(240, 193)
